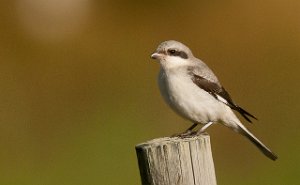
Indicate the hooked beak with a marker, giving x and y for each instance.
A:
(156, 55)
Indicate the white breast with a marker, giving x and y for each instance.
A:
(187, 99)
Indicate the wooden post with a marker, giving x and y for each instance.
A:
(176, 161)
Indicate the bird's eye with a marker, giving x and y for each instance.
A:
(171, 51)
(174, 52)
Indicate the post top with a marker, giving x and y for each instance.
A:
(168, 140)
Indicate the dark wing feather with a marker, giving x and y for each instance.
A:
(216, 90)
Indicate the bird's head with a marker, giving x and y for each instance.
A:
(172, 53)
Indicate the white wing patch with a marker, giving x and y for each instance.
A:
(221, 99)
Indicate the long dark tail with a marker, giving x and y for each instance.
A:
(265, 150)
(244, 113)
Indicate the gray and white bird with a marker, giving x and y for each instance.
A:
(193, 91)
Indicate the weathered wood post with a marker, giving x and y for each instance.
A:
(176, 161)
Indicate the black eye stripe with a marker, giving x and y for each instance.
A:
(183, 55)
(173, 52)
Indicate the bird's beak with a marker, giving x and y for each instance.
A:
(155, 55)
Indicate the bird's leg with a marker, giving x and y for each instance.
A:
(190, 129)
(188, 132)
(200, 131)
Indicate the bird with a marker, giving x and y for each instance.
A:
(194, 92)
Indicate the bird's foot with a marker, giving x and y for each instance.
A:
(187, 133)
(201, 132)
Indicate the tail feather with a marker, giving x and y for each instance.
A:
(245, 114)
(265, 150)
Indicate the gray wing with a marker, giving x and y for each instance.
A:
(201, 69)
(218, 92)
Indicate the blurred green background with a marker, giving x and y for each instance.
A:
(78, 88)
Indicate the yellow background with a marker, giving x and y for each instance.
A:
(78, 88)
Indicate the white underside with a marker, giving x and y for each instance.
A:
(192, 102)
